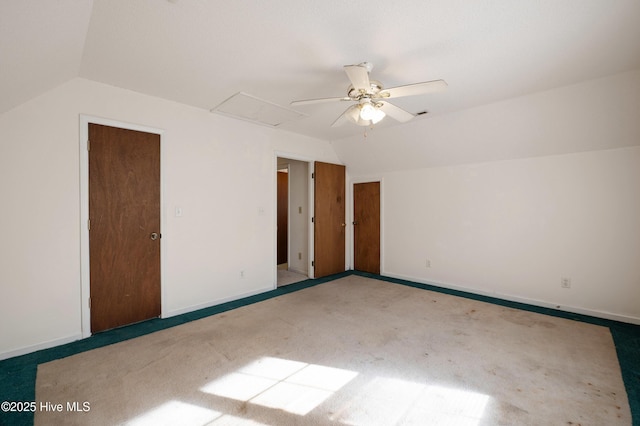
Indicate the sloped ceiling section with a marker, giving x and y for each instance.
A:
(202, 52)
(593, 115)
(41, 45)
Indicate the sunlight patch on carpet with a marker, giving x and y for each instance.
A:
(413, 403)
(173, 413)
(442, 405)
(292, 386)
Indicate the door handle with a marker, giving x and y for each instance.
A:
(154, 236)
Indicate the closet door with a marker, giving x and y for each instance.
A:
(124, 230)
(329, 219)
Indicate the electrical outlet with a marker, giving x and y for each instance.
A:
(565, 282)
(428, 263)
(299, 255)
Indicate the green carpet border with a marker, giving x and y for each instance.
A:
(18, 374)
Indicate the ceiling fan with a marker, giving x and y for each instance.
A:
(371, 97)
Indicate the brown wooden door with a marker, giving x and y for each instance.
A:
(366, 227)
(124, 233)
(283, 215)
(329, 219)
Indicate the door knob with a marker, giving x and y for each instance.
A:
(154, 236)
(355, 222)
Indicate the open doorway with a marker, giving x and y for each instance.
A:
(292, 221)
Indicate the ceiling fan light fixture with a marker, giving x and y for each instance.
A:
(371, 112)
(367, 111)
(378, 115)
(353, 113)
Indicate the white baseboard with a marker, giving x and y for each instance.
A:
(57, 342)
(45, 345)
(513, 298)
(209, 304)
(573, 309)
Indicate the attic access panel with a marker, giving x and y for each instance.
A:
(249, 108)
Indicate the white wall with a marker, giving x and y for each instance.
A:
(507, 198)
(218, 170)
(512, 229)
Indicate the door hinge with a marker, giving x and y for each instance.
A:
(313, 263)
(88, 145)
(312, 219)
(89, 224)
(89, 303)
(313, 175)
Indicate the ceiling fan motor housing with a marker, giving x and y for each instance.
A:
(374, 89)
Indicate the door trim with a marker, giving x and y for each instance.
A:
(85, 285)
(350, 219)
(288, 215)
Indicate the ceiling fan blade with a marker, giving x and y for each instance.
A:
(317, 101)
(352, 112)
(414, 89)
(340, 120)
(359, 77)
(396, 112)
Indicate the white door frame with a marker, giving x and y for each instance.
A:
(85, 282)
(278, 169)
(309, 161)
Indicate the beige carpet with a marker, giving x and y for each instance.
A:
(353, 351)
(286, 277)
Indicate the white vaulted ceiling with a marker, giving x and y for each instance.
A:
(41, 46)
(201, 52)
